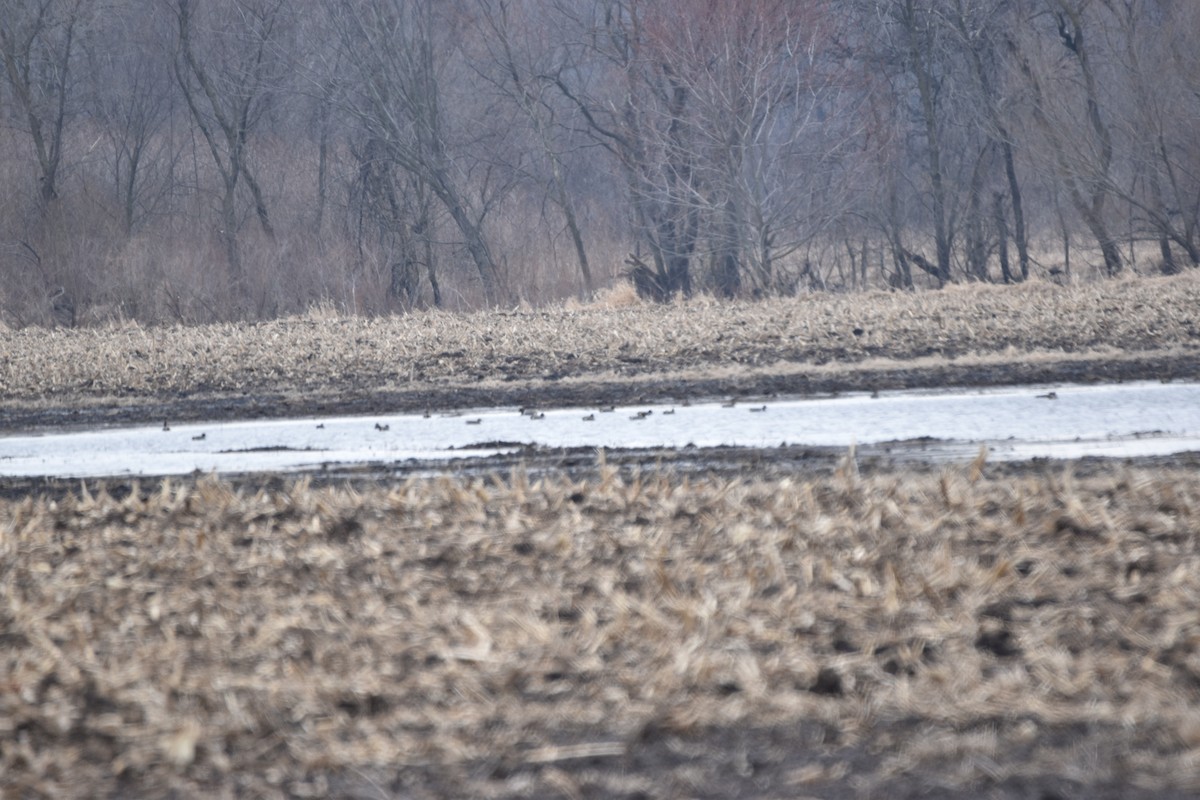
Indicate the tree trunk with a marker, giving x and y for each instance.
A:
(473, 238)
(725, 272)
(431, 267)
(1001, 136)
(1018, 205)
(229, 226)
(925, 92)
(1071, 33)
(1091, 212)
(568, 209)
(1002, 237)
(977, 246)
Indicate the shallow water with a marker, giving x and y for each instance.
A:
(1137, 419)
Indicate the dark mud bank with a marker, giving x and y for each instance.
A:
(365, 397)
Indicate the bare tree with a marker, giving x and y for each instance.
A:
(772, 126)
(739, 148)
(39, 43)
(227, 81)
(710, 110)
(1081, 153)
(396, 212)
(939, 163)
(1160, 184)
(636, 107)
(982, 33)
(397, 52)
(132, 95)
(521, 67)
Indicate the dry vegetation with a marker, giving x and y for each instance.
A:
(896, 634)
(1002, 632)
(319, 359)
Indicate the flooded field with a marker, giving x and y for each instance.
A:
(1130, 420)
(731, 619)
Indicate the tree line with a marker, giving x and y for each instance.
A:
(197, 160)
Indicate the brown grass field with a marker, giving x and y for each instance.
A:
(769, 629)
(907, 634)
(614, 351)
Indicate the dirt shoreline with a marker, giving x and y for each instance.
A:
(366, 397)
(1122, 330)
(583, 462)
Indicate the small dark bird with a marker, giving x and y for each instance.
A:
(669, 411)
(200, 437)
(379, 427)
(476, 421)
(321, 426)
(759, 408)
(590, 418)
(1048, 396)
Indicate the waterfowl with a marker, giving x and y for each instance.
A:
(379, 427)
(590, 418)
(200, 437)
(476, 421)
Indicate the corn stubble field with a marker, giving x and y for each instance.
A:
(638, 636)
(322, 363)
(892, 631)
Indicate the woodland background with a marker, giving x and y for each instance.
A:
(172, 161)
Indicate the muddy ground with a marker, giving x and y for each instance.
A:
(728, 623)
(361, 394)
(1144, 329)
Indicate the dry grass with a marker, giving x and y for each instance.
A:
(318, 352)
(607, 636)
(637, 636)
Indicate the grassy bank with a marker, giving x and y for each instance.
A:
(839, 635)
(321, 358)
